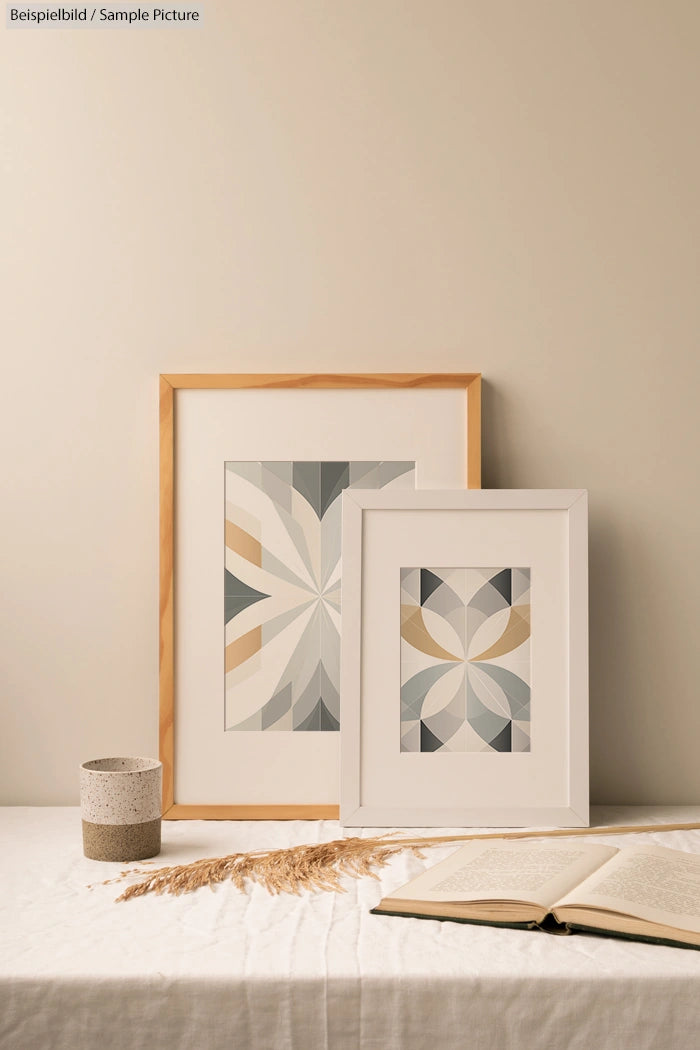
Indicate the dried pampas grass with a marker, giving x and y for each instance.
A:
(321, 866)
(309, 867)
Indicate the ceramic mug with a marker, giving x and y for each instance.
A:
(120, 805)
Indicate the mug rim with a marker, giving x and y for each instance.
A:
(146, 765)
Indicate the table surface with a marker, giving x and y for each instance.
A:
(222, 968)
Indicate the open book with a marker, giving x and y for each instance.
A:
(644, 892)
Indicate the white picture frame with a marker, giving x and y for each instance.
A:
(205, 421)
(383, 533)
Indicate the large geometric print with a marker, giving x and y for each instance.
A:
(465, 659)
(282, 588)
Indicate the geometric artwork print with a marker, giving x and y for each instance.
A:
(282, 575)
(465, 659)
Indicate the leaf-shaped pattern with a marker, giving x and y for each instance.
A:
(442, 693)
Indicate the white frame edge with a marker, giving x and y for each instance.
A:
(578, 659)
(352, 812)
(351, 668)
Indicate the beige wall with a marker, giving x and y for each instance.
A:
(507, 186)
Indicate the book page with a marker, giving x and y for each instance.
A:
(513, 871)
(654, 883)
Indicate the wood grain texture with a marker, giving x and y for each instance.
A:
(184, 812)
(474, 433)
(166, 591)
(323, 381)
(169, 384)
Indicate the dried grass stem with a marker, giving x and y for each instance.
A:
(321, 866)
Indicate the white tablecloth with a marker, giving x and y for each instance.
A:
(242, 971)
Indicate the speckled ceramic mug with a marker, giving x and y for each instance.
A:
(120, 803)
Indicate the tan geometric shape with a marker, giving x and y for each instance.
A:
(240, 541)
(414, 631)
(517, 631)
(243, 648)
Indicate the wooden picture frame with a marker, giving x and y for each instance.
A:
(180, 399)
(464, 671)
